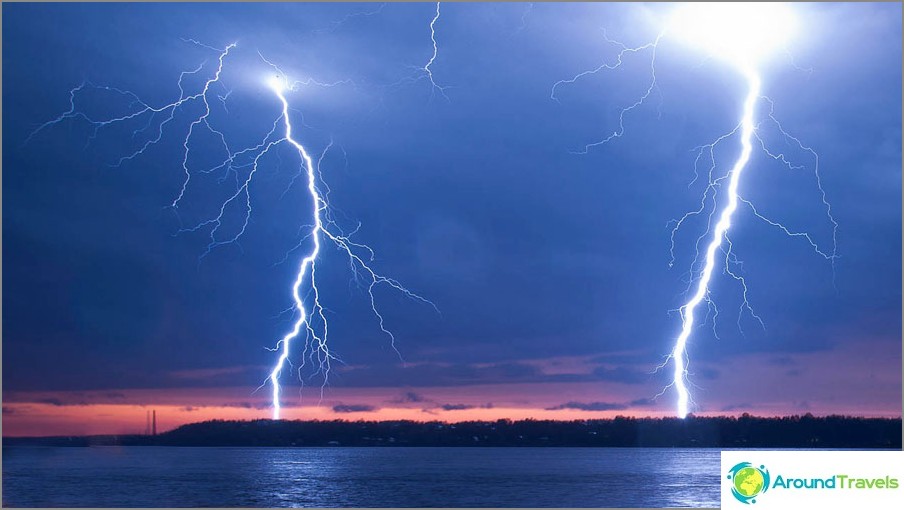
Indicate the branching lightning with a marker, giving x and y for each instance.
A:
(242, 165)
(624, 51)
(323, 228)
(435, 50)
(348, 17)
(742, 34)
(678, 355)
(425, 71)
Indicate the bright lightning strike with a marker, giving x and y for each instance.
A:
(307, 269)
(678, 355)
(209, 104)
(744, 35)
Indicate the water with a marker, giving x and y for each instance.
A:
(360, 477)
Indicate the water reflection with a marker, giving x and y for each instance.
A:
(361, 477)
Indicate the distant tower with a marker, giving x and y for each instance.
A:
(154, 423)
(147, 423)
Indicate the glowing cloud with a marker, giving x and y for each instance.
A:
(742, 33)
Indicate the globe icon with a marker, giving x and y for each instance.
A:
(748, 482)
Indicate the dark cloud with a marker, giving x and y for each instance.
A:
(603, 406)
(436, 374)
(461, 374)
(71, 400)
(409, 397)
(354, 408)
(589, 406)
(624, 375)
(623, 358)
(642, 402)
(745, 406)
(8, 410)
(456, 407)
(254, 405)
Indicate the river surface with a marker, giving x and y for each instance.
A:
(360, 477)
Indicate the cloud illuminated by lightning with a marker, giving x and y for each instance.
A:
(242, 165)
(743, 35)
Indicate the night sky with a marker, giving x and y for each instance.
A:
(550, 269)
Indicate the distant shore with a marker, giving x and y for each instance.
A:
(710, 432)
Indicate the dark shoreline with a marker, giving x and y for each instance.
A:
(693, 432)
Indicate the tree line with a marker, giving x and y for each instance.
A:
(745, 431)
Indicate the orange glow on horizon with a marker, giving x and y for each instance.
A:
(39, 419)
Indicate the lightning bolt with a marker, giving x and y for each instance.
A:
(243, 164)
(435, 49)
(321, 230)
(425, 71)
(348, 17)
(619, 59)
(719, 233)
(716, 235)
